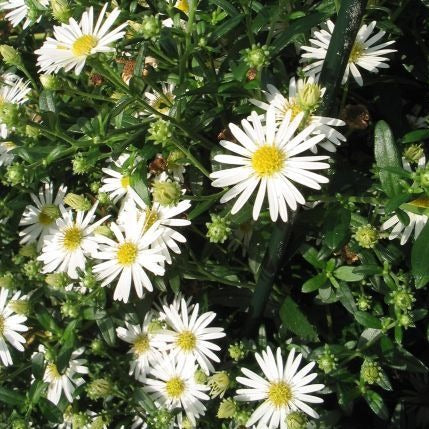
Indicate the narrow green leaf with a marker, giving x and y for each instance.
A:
(46, 101)
(386, 155)
(50, 411)
(11, 397)
(37, 365)
(336, 227)
(225, 28)
(226, 6)
(314, 283)
(420, 254)
(107, 330)
(367, 320)
(295, 320)
(310, 254)
(348, 274)
(415, 136)
(376, 403)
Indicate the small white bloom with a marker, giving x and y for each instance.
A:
(323, 125)
(399, 230)
(364, 54)
(12, 91)
(284, 390)
(144, 344)
(129, 257)
(189, 336)
(164, 216)
(18, 11)
(161, 101)
(38, 219)
(174, 386)
(10, 326)
(67, 246)
(268, 160)
(66, 381)
(73, 43)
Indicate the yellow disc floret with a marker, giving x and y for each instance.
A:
(186, 341)
(279, 394)
(151, 218)
(48, 214)
(268, 160)
(1, 325)
(72, 238)
(356, 52)
(83, 45)
(52, 371)
(175, 387)
(141, 344)
(127, 253)
(125, 181)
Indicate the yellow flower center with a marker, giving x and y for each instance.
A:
(2, 323)
(72, 238)
(125, 181)
(48, 214)
(127, 253)
(52, 370)
(356, 53)
(279, 394)
(151, 218)
(82, 46)
(186, 341)
(162, 103)
(268, 160)
(291, 106)
(141, 344)
(183, 5)
(175, 387)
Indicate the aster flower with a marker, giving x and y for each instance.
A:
(117, 185)
(189, 337)
(18, 10)
(129, 257)
(364, 53)
(305, 95)
(38, 219)
(68, 380)
(10, 326)
(399, 230)
(173, 386)
(268, 159)
(73, 43)
(67, 246)
(164, 216)
(13, 91)
(284, 390)
(161, 101)
(143, 341)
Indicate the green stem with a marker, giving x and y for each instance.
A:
(343, 37)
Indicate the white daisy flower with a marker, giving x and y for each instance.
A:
(10, 326)
(174, 386)
(165, 216)
(117, 185)
(304, 96)
(138, 423)
(67, 246)
(68, 380)
(364, 54)
(284, 390)
(129, 258)
(6, 158)
(176, 304)
(189, 336)
(12, 91)
(73, 42)
(144, 344)
(268, 159)
(399, 230)
(18, 11)
(161, 101)
(38, 219)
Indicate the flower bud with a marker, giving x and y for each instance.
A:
(370, 371)
(15, 173)
(58, 280)
(61, 10)
(150, 27)
(309, 96)
(11, 56)
(405, 320)
(200, 377)
(160, 132)
(99, 423)
(219, 383)
(218, 229)
(237, 351)
(364, 302)
(20, 306)
(33, 269)
(50, 81)
(77, 202)
(9, 114)
(402, 299)
(103, 198)
(99, 388)
(296, 420)
(227, 409)
(28, 251)
(366, 236)
(327, 361)
(166, 193)
(257, 56)
(413, 153)
(81, 164)
(97, 347)
(6, 281)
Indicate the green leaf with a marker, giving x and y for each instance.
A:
(225, 28)
(368, 337)
(420, 254)
(384, 381)
(387, 155)
(68, 340)
(368, 270)
(348, 274)
(310, 254)
(37, 365)
(367, 320)
(46, 320)
(141, 188)
(376, 403)
(107, 330)
(415, 136)
(11, 397)
(346, 298)
(314, 283)
(46, 101)
(50, 411)
(226, 6)
(295, 320)
(336, 227)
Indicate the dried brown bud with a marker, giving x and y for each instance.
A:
(356, 116)
(96, 79)
(226, 134)
(349, 256)
(251, 74)
(158, 165)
